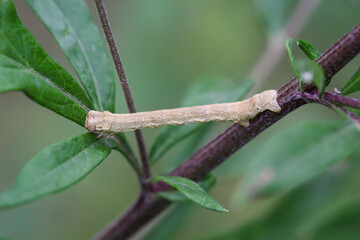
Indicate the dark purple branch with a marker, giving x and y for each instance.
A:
(345, 49)
(124, 84)
(146, 207)
(220, 148)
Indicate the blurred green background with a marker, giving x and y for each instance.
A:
(164, 45)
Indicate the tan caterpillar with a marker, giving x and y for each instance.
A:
(240, 112)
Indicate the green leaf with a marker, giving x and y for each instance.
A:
(297, 155)
(308, 49)
(293, 63)
(25, 66)
(175, 196)
(324, 208)
(72, 26)
(192, 191)
(206, 90)
(55, 168)
(306, 71)
(311, 72)
(353, 85)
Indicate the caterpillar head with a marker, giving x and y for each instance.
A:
(92, 121)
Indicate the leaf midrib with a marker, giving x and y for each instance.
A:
(12, 46)
(34, 72)
(51, 170)
(94, 79)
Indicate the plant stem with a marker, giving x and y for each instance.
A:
(350, 115)
(136, 216)
(341, 100)
(336, 101)
(125, 86)
(335, 107)
(345, 49)
(233, 138)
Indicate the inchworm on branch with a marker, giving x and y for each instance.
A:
(240, 112)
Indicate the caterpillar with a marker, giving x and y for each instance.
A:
(240, 112)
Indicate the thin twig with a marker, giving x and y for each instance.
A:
(335, 106)
(232, 139)
(350, 115)
(336, 102)
(342, 100)
(313, 97)
(125, 86)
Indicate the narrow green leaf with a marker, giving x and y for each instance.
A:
(192, 191)
(206, 90)
(305, 70)
(25, 66)
(297, 155)
(55, 168)
(293, 63)
(175, 196)
(353, 85)
(311, 72)
(72, 26)
(308, 49)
